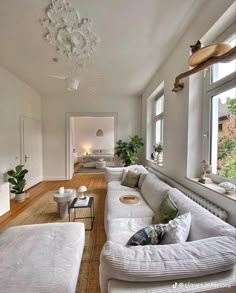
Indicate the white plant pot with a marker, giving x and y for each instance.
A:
(155, 156)
(20, 197)
(159, 158)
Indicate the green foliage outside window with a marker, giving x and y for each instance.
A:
(227, 145)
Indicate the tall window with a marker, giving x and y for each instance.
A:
(221, 92)
(158, 119)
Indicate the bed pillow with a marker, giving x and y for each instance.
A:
(166, 211)
(177, 230)
(131, 179)
(150, 235)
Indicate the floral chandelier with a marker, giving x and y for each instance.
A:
(72, 37)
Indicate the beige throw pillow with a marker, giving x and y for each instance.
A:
(131, 179)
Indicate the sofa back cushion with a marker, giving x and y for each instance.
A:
(154, 190)
(204, 224)
(113, 174)
(168, 262)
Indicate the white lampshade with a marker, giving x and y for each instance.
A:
(82, 188)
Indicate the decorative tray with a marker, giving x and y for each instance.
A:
(129, 199)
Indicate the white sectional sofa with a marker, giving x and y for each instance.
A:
(204, 263)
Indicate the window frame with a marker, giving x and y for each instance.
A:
(212, 89)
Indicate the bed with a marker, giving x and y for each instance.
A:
(97, 155)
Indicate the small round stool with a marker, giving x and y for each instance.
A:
(63, 200)
(101, 165)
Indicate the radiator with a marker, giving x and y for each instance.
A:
(211, 207)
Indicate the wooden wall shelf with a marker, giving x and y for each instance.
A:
(227, 57)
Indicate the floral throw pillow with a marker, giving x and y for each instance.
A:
(150, 235)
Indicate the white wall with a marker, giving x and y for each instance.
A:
(85, 139)
(183, 110)
(16, 99)
(54, 110)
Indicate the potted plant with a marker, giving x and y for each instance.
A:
(158, 148)
(17, 180)
(127, 150)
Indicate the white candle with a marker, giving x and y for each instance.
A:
(61, 190)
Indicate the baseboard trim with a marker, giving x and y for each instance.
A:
(54, 178)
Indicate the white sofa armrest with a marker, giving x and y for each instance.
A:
(113, 174)
(166, 262)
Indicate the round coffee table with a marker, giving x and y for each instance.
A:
(63, 200)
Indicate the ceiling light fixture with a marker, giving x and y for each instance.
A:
(71, 35)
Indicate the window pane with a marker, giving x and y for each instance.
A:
(221, 70)
(158, 131)
(223, 143)
(160, 105)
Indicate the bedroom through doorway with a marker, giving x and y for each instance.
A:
(91, 140)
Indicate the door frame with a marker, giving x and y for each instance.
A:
(22, 148)
(70, 115)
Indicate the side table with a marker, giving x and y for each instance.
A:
(63, 200)
(90, 205)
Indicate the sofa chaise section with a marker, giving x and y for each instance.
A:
(41, 258)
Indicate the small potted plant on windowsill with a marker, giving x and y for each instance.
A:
(18, 182)
(158, 148)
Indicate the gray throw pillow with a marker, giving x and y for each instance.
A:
(150, 235)
(131, 179)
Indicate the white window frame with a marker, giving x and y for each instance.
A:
(212, 89)
(159, 117)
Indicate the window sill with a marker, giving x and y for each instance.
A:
(154, 162)
(213, 186)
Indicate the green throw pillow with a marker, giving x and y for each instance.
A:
(131, 179)
(167, 211)
(150, 235)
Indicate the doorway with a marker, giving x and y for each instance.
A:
(96, 142)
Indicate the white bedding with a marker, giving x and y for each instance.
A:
(41, 258)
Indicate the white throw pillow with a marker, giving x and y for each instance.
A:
(177, 230)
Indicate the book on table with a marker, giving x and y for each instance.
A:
(81, 202)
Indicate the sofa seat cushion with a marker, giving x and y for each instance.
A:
(120, 230)
(154, 190)
(117, 209)
(168, 262)
(116, 185)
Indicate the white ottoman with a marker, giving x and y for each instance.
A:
(101, 165)
(63, 200)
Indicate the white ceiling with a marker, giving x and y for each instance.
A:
(136, 37)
